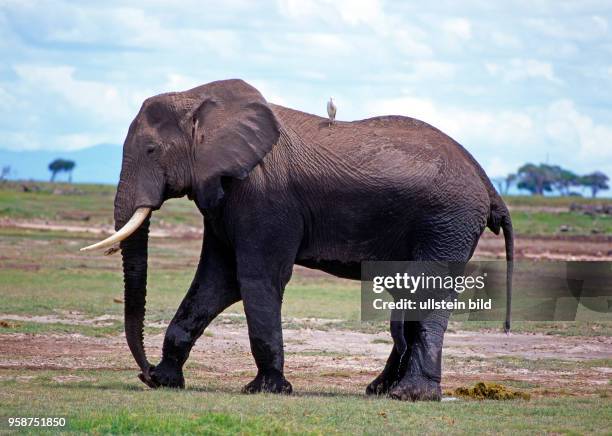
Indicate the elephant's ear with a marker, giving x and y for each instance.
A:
(231, 134)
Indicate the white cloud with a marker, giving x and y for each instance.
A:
(498, 167)
(458, 27)
(352, 12)
(323, 43)
(388, 30)
(408, 43)
(322, 48)
(566, 125)
(7, 100)
(424, 70)
(600, 22)
(505, 40)
(77, 141)
(557, 130)
(99, 99)
(181, 82)
(35, 140)
(582, 28)
(465, 125)
(141, 28)
(21, 140)
(312, 75)
(520, 69)
(223, 42)
(59, 110)
(268, 91)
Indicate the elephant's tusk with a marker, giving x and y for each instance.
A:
(130, 227)
(112, 250)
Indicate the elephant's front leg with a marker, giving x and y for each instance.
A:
(262, 306)
(423, 375)
(213, 289)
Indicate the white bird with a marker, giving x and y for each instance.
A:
(331, 111)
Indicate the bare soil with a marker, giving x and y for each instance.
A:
(175, 231)
(596, 247)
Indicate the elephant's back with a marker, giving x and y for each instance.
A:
(410, 135)
(392, 152)
(383, 143)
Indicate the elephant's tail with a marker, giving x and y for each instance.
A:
(509, 241)
(500, 218)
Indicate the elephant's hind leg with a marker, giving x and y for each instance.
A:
(421, 381)
(213, 289)
(423, 375)
(397, 361)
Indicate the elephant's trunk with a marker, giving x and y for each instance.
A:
(134, 253)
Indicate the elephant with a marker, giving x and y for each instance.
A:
(279, 187)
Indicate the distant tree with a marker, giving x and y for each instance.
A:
(510, 179)
(504, 183)
(69, 167)
(4, 173)
(562, 179)
(61, 165)
(596, 182)
(499, 182)
(536, 179)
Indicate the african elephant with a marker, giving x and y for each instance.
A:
(279, 187)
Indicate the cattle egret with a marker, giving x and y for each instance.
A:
(331, 110)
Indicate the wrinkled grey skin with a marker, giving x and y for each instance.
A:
(279, 187)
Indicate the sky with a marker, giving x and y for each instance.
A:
(512, 81)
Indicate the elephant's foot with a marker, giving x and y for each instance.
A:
(164, 375)
(416, 388)
(273, 382)
(382, 384)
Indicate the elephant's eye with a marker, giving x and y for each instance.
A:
(151, 148)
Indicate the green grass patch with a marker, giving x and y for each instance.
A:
(541, 201)
(38, 328)
(552, 364)
(109, 404)
(534, 223)
(560, 328)
(81, 204)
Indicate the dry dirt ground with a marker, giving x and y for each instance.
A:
(345, 360)
(548, 247)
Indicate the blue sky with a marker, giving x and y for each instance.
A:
(512, 81)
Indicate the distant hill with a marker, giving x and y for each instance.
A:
(98, 164)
